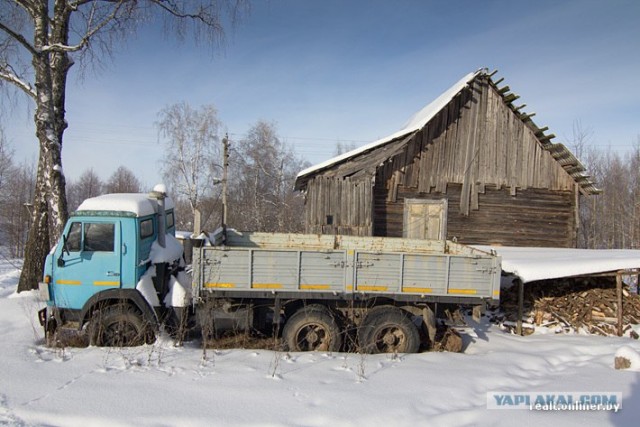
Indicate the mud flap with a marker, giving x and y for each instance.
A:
(48, 323)
(42, 316)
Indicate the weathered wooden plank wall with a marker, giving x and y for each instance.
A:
(348, 201)
(476, 141)
(503, 186)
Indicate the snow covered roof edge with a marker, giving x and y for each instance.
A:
(416, 122)
(138, 204)
(532, 263)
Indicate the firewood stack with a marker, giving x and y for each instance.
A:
(571, 305)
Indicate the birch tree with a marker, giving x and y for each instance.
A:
(123, 180)
(16, 191)
(88, 185)
(192, 160)
(263, 171)
(39, 42)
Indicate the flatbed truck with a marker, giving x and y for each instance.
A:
(118, 273)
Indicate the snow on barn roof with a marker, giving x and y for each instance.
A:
(416, 122)
(571, 165)
(532, 264)
(137, 203)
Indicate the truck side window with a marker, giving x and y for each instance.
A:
(73, 238)
(146, 228)
(99, 237)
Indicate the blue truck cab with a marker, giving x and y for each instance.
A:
(97, 266)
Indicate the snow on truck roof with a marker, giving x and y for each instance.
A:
(136, 203)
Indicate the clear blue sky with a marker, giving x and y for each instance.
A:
(333, 70)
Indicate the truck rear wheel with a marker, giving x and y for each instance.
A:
(388, 330)
(312, 328)
(119, 325)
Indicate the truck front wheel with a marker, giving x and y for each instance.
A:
(312, 328)
(119, 325)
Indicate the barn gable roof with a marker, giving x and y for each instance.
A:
(558, 151)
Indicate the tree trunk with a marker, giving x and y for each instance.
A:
(50, 201)
(37, 245)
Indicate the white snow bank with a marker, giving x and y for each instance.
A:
(630, 354)
(9, 276)
(417, 121)
(171, 252)
(531, 264)
(160, 384)
(146, 288)
(179, 294)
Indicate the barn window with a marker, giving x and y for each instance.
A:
(329, 219)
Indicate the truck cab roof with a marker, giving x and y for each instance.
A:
(125, 204)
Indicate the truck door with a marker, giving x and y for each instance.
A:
(86, 261)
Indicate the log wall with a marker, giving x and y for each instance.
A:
(535, 217)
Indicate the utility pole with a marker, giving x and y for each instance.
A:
(225, 167)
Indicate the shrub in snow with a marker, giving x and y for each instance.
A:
(627, 358)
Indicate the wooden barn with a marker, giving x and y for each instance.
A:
(470, 166)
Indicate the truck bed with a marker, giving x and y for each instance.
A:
(329, 267)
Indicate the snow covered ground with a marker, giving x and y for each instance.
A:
(163, 385)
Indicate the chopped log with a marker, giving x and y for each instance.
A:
(585, 304)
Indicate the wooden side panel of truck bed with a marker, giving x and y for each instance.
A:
(343, 269)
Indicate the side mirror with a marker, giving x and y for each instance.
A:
(64, 245)
(64, 249)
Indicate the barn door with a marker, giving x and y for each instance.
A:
(425, 219)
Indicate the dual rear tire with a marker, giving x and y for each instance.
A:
(385, 329)
(388, 329)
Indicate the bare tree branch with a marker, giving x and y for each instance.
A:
(84, 41)
(19, 38)
(39, 41)
(9, 76)
(27, 5)
(174, 10)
